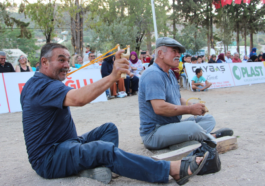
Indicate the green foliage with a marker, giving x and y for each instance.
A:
(11, 21)
(9, 40)
(45, 16)
(193, 38)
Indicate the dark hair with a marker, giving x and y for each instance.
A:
(193, 59)
(198, 70)
(199, 57)
(187, 55)
(91, 53)
(46, 50)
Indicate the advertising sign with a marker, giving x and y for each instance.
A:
(218, 74)
(3, 100)
(85, 77)
(15, 82)
(248, 73)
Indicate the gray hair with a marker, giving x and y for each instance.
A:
(236, 53)
(2, 53)
(46, 50)
(163, 48)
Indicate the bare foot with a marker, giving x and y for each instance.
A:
(175, 168)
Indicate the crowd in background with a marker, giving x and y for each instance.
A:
(129, 85)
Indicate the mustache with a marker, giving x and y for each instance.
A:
(64, 70)
(176, 58)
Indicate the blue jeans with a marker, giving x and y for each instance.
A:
(189, 129)
(99, 147)
(134, 82)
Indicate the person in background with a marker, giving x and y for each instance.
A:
(203, 58)
(86, 53)
(199, 60)
(77, 61)
(5, 66)
(91, 57)
(260, 58)
(136, 68)
(228, 58)
(145, 57)
(236, 58)
(221, 58)
(245, 59)
(186, 59)
(151, 62)
(253, 58)
(193, 60)
(197, 81)
(263, 57)
(212, 59)
(37, 66)
(106, 69)
(253, 52)
(23, 65)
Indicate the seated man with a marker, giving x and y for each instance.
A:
(161, 106)
(197, 81)
(53, 147)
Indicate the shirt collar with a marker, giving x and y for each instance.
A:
(41, 75)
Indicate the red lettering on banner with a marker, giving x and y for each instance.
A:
(78, 84)
(71, 83)
(20, 86)
(85, 83)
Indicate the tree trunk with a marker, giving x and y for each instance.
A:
(208, 34)
(149, 44)
(245, 40)
(251, 41)
(77, 30)
(174, 20)
(237, 39)
(139, 39)
(211, 25)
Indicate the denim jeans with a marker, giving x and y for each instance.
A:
(189, 129)
(133, 82)
(99, 147)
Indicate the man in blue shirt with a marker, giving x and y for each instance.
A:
(54, 148)
(161, 106)
(197, 81)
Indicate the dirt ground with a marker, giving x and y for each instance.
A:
(240, 108)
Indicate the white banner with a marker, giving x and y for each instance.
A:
(3, 100)
(85, 77)
(247, 73)
(218, 74)
(15, 82)
(14, 85)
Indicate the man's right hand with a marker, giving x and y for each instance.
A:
(120, 65)
(197, 109)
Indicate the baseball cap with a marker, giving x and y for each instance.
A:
(169, 42)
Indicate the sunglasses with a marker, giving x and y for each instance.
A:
(92, 56)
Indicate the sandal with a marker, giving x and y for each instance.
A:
(223, 132)
(194, 167)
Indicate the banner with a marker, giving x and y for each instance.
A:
(247, 73)
(218, 74)
(3, 100)
(15, 82)
(84, 77)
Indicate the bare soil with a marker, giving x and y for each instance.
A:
(240, 108)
